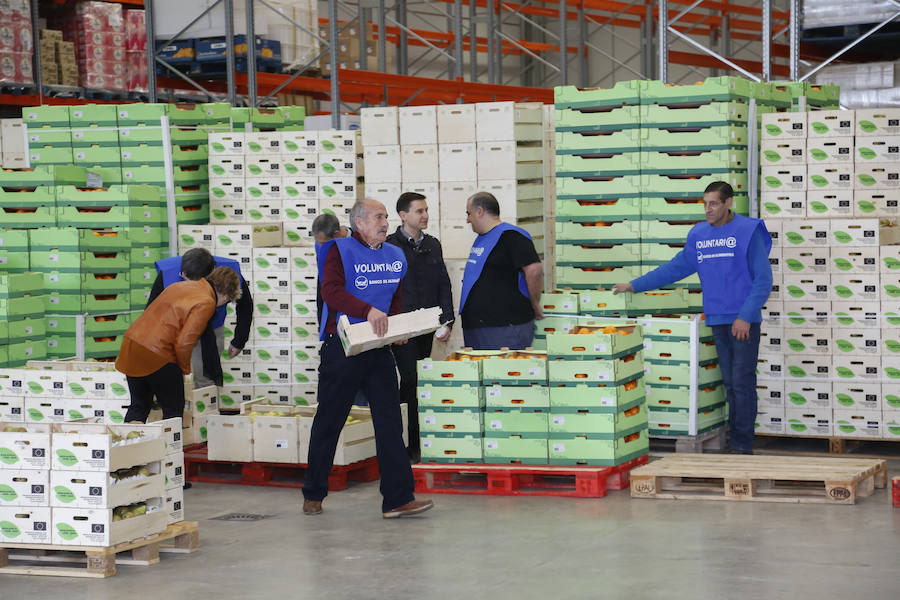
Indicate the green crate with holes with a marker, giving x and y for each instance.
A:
(675, 422)
(112, 239)
(197, 214)
(548, 325)
(59, 346)
(57, 281)
(599, 303)
(22, 352)
(531, 422)
(677, 375)
(663, 396)
(711, 114)
(28, 217)
(612, 209)
(712, 89)
(566, 449)
(105, 262)
(623, 186)
(560, 302)
(455, 450)
(103, 346)
(689, 186)
(725, 160)
(27, 328)
(710, 137)
(49, 137)
(516, 450)
(608, 398)
(596, 255)
(94, 135)
(588, 278)
(598, 371)
(625, 341)
(101, 325)
(138, 114)
(620, 232)
(101, 304)
(583, 120)
(625, 420)
(138, 298)
(624, 163)
(685, 209)
(691, 282)
(190, 155)
(445, 396)
(105, 283)
(449, 372)
(191, 195)
(623, 93)
(623, 140)
(665, 232)
(677, 351)
(57, 303)
(680, 328)
(462, 421)
(515, 371)
(516, 397)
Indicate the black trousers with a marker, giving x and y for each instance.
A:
(340, 377)
(167, 384)
(406, 356)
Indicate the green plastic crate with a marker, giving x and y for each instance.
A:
(197, 214)
(61, 326)
(560, 302)
(106, 262)
(625, 117)
(444, 396)
(694, 161)
(675, 352)
(581, 278)
(677, 328)
(596, 344)
(190, 155)
(50, 155)
(691, 282)
(586, 255)
(39, 196)
(438, 449)
(45, 116)
(152, 135)
(97, 156)
(106, 325)
(606, 165)
(51, 137)
(712, 89)
(623, 186)
(623, 93)
(625, 140)
(585, 232)
(679, 209)
(706, 138)
(517, 396)
(106, 346)
(30, 328)
(105, 283)
(149, 235)
(54, 238)
(659, 396)
(190, 195)
(515, 449)
(138, 298)
(502, 422)
(460, 421)
(22, 352)
(93, 114)
(595, 371)
(108, 175)
(28, 217)
(59, 346)
(190, 175)
(581, 450)
(677, 375)
(56, 303)
(659, 254)
(617, 209)
(142, 155)
(14, 261)
(599, 303)
(444, 372)
(665, 232)
(98, 240)
(146, 256)
(17, 285)
(102, 304)
(712, 114)
(135, 175)
(610, 398)
(675, 422)
(12, 179)
(518, 371)
(140, 113)
(63, 261)
(599, 425)
(98, 135)
(817, 95)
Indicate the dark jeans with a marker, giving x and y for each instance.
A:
(340, 377)
(514, 337)
(406, 356)
(167, 384)
(737, 360)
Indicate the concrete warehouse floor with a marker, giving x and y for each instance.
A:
(511, 547)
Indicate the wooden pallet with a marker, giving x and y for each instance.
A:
(860, 446)
(523, 480)
(198, 467)
(97, 561)
(759, 478)
(709, 441)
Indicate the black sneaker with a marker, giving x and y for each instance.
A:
(187, 485)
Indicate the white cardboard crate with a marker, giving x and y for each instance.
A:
(418, 125)
(456, 123)
(380, 126)
(359, 337)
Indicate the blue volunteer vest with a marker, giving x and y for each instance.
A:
(170, 268)
(373, 276)
(322, 252)
(481, 249)
(720, 255)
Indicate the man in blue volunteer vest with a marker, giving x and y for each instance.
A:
(361, 279)
(731, 254)
(502, 281)
(325, 228)
(196, 264)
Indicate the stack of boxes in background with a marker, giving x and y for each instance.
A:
(828, 356)
(13, 145)
(348, 50)
(98, 30)
(135, 51)
(598, 411)
(58, 64)
(16, 43)
(22, 323)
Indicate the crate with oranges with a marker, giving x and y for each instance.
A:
(463, 396)
(593, 188)
(596, 371)
(593, 210)
(568, 449)
(608, 398)
(598, 424)
(591, 278)
(677, 352)
(521, 367)
(675, 422)
(599, 231)
(680, 375)
(596, 339)
(661, 397)
(668, 328)
(516, 397)
(516, 449)
(450, 422)
(560, 302)
(598, 254)
(460, 368)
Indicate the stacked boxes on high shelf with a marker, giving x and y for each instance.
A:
(598, 411)
(16, 44)
(517, 406)
(827, 364)
(58, 64)
(98, 30)
(632, 164)
(135, 51)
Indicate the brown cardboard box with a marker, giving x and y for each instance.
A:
(48, 48)
(51, 34)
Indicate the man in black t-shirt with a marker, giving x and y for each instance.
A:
(502, 283)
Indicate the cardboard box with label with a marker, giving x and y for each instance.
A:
(808, 367)
(90, 447)
(770, 420)
(26, 525)
(770, 366)
(97, 527)
(808, 422)
(822, 204)
(770, 394)
(855, 423)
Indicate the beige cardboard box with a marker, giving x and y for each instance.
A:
(783, 178)
(862, 260)
(380, 126)
(808, 394)
(338, 189)
(359, 337)
(418, 125)
(508, 121)
(12, 408)
(771, 341)
(808, 422)
(456, 123)
(855, 287)
(174, 505)
(28, 449)
(276, 439)
(356, 442)
(96, 527)
(829, 204)
(91, 447)
(878, 176)
(877, 121)
(770, 394)
(782, 205)
(230, 438)
(831, 150)
(24, 488)
(383, 164)
(858, 315)
(876, 203)
(770, 420)
(855, 395)
(808, 288)
(784, 125)
(855, 232)
(94, 489)
(231, 143)
(808, 367)
(830, 177)
(831, 123)
(890, 424)
(26, 524)
(878, 149)
(457, 162)
(173, 470)
(812, 314)
(420, 163)
(770, 365)
(856, 368)
(299, 142)
(799, 233)
(805, 260)
(858, 423)
(807, 340)
(784, 151)
(856, 341)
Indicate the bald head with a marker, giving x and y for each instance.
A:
(369, 218)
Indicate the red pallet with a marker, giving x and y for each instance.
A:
(198, 467)
(895, 490)
(523, 480)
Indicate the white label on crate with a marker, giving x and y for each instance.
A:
(53, 257)
(492, 444)
(648, 344)
(568, 305)
(54, 277)
(493, 392)
(586, 298)
(427, 366)
(567, 328)
(599, 347)
(607, 401)
(646, 369)
(559, 447)
(496, 424)
(80, 155)
(533, 371)
(603, 376)
(431, 420)
(426, 443)
(424, 395)
(559, 420)
(281, 443)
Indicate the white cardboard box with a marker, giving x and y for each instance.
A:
(271, 331)
(12, 409)
(856, 341)
(336, 164)
(299, 165)
(342, 141)
(45, 410)
(829, 177)
(226, 144)
(276, 439)
(420, 163)
(299, 142)
(862, 368)
(859, 287)
(456, 238)
(891, 424)
(878, 149)
(808, 367)
(24, 487)
(95, 527)
(829, 203)
(853, 260)
(808, 287)
(878, 176)
(784, 125)
(300, 188)
(359, 337)
(196, 236)
(303, 260)
(770, 420)
(418, 125)
(25, 450)
(386, 192)
(830, 150)
(877, 121)
(770, 394)
(222, 166)
(506, 160)
(272, 305)
(271, 260)
(26, 525)
(855, 232)
(280, 394)
(94, 489)
(802, 233)
(230, 438)
(782, 151)
(808, 394)
(814, 314)
(858, 423)
(808, 422)
(508, 121)
(771, 341)
(858, 315)
(380, 126)
(856, 396)
(782, 205)
(265, 166)
(262, 143)
(333, 189)
(456, 123)
(89, 447)
(770, 366)
(807, 340)
(174, 505)
(876, 203)
(831, 123)
(801, 261)
(173, 470)
(457, 161)
(783, 178)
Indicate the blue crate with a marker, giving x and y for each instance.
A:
(178, 52)
(268, 52)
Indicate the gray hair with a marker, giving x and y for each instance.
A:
(360, 210)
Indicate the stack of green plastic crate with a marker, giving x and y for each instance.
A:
(451, 405)
(517, 404)
(598, 185)
(280, 118)
(815, 96)
(49, 135)
(668, 377)
(598, 414)
(561, 310)
(22, 322)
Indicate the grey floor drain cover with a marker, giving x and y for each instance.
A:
(241, 517)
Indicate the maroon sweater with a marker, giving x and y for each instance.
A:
(336, 296)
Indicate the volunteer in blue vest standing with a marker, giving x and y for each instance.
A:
(196, 264)
(731, 254)
(502, 281)
(325, 228)
(361, 279)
